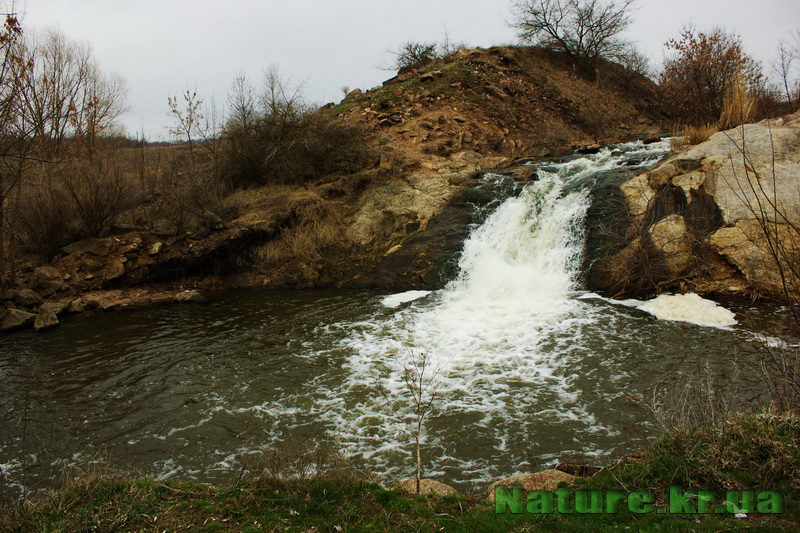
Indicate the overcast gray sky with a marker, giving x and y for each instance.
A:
(161, 47)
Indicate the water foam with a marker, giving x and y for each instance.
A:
(396, 300)
(689, 308)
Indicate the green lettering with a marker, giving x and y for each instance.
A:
(704, 499)
(640, 502)
(539, 502)
(613, 497)
(505, 501)
(589, 501)
(744, 502)
(770, 501)
(562, 500)
(680, 502)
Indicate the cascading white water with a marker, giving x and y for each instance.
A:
(500, 334)
(529, 249)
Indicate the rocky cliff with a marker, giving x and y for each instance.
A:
(721, 217)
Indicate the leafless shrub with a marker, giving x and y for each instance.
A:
(287, 464)
(44, 215)
(584, 29)
(414, 55)
(100, 191)
(280, 139)
(420, 376)
(779, 236)
(700, 400)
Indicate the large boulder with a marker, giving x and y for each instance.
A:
(15, 319)
(426, 486)
(545, 480)
(728, 205)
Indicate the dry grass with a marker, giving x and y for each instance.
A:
(693, 135)
(315, 226)
(738, 106)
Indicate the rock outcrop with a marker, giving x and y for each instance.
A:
(545, 480)
(721, 217)
(15, 319)
(426, 486)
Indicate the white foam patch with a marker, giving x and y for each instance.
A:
(396, 300)
(689, 308)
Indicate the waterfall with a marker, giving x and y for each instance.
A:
(529, 249)
(505, 334)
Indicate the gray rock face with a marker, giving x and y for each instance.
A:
(15, 319)
(715, 213)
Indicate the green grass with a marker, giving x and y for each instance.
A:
(327, 504)
(746, 452)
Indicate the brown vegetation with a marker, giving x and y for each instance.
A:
(706, 67)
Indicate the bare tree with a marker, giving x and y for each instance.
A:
(584, 29)
(413, 55)
(54, 103)
(242, 102)
(420, 377)
(14, 139)
(66, 95)
(782, 68)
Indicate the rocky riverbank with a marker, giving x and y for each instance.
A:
(396, 224)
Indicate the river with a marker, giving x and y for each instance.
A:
(529, 368)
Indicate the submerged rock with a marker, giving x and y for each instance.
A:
(189, 296)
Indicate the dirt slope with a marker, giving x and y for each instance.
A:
(510, 101)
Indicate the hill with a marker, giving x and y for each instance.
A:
(400, 220)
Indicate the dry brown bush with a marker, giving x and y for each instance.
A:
(693, 135)
(705, 66)
(317, 227)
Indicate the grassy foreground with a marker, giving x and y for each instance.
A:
(746, 452)
(319, 505)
